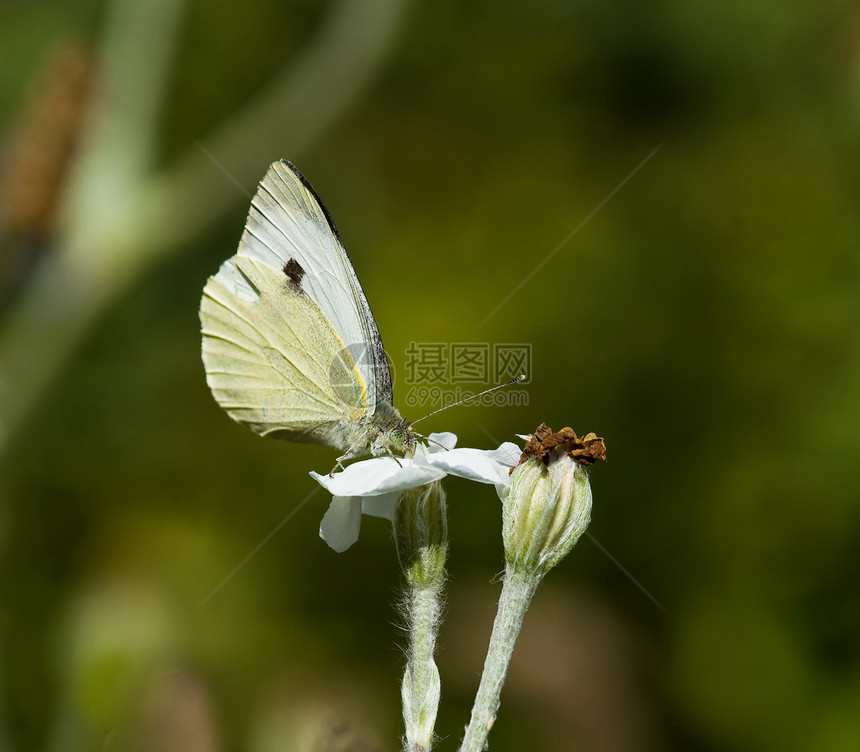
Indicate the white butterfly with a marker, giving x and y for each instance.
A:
(290, 346)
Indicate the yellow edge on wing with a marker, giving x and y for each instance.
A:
(354, 366)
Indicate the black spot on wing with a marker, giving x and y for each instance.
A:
(293, 269)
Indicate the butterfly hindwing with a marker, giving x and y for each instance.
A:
(272, 359)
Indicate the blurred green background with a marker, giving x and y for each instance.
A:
(705, 321)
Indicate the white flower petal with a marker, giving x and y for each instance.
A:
(340, 524)
(484, 466)
(508, 454)
(445, 438)
(378, 476)
(380, 506)
(472, 464)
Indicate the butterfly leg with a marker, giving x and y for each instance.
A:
(338, 464)
(393, 456)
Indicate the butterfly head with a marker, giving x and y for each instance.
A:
(401, 439)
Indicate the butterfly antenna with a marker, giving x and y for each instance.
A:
(515, 380)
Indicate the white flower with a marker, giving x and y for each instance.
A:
(373, 486)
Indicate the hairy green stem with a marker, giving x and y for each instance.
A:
(421, 537)
(517, 591)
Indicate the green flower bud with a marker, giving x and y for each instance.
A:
(545, 509)
(421, 534)
(548, 504)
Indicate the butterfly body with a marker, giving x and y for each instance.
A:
(290, 346)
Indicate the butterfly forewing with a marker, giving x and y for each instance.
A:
(289, 229)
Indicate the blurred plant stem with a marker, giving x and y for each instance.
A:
(121, 212)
